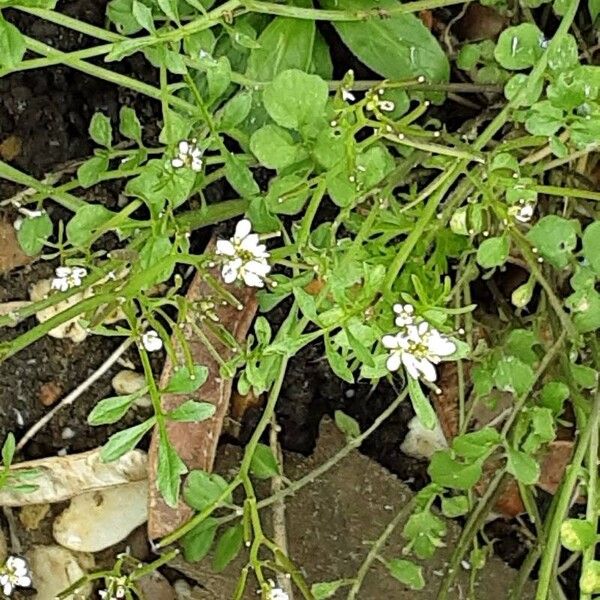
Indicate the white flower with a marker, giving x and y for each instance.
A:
(418, 347)
(523, 212)
(278, 594)
(377, 103)
(421, 442)
(246, 258)
(189, 155)
(68, 277)
(347, 95)
(151, 341)
(14, 573)
(405, 314)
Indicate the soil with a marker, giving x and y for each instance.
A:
(45, 114)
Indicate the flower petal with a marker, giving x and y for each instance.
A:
(63, 271)
(225, 247)
(427, 369)
(252, 279)
(184, 147)
(25, 581)
(441, 345)
(177, 162)
(393, 362)
(242, 229)
(250, 242)
(390, 341)
(230, 270)
(258, 267)
(411, 364)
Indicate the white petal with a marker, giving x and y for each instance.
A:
(24, 581)
(423, 328)
(428, 370)
(79, 272)
(261, 251)
(225, 247)
(184, 147)
(7, 588)
(411, 364)
(242, 229)
(441, 345)
(258, 267)
(197, 164)
(390, 341)
(252, 279)
(393, 362)
(63, 271)
(230, 270)
(60, 284)
(250, 242)
(177, 163)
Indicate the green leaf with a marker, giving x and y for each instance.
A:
(240, 177)
(170, 8)
(274, 147)
(594, 8)
(513, 375)
(577, 535)
(287, 194)
(228, 546)
(519, 47)
(218, 77)
(493, 252)
(563, 53)
(284, 44)
(91, 170)
(591, 245)
(124, 441)
(425, 532)
(12, 45)
(101, 130)
(544, 119)
(129, 124)
(199, 540)
(89, 218)
(584, 376)
(455, 506)
(235, 111)
(202, 489)
(121, 14)
(294, 98)
(264, 464)
(338, 363)
(170, 470)
(476, 444)
(517, 89)
(553, 396)
(192, 411)
(522, 466)
(306, 302)
(8, 450)
(407, 572)
(111, 410)
(555, 238)
(155, 249)
(397, 47)
(143, 15)
(46, 4)
(326, 589)
(183, 382)
(421, 404)
(448, 472)
(33, 233)
(346, 424)
(321, 63)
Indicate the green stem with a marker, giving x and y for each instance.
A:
(569, 483)
(315, 14)
(554, 190)
(591, 512)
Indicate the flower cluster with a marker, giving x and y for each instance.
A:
(116, 588)
(15, 573)
(418, 346)
(522, 212)
(277, 594)
(188, 155)
(245, 259)
(68, 277)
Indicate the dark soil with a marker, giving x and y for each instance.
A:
(48, 112)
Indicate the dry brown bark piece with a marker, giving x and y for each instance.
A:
(11, 255)
(196, 443)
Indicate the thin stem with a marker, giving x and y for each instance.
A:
(572, 474)
(377, 546)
